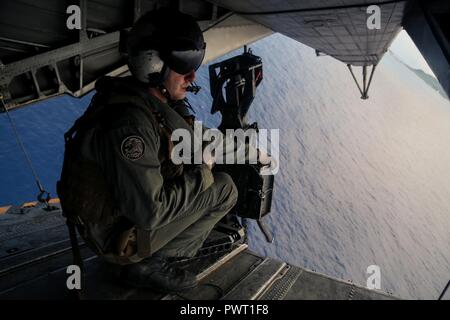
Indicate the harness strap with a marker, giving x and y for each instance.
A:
(76, 254)
(152, 113)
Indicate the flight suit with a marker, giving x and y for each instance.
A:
(178, 205)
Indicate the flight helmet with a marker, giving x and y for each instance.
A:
(163, 40)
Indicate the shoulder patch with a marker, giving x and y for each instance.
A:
(133, 148)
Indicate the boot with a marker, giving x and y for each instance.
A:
(157, 273)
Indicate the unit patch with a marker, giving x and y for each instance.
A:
(133, 148)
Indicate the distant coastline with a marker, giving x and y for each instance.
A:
(428, 79)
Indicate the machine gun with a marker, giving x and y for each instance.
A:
(233, 88)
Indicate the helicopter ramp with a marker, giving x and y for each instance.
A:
(36, 251)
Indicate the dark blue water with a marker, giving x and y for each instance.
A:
(360, 182)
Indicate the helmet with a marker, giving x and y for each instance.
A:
(163, 40)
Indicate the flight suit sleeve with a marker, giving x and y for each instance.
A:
(133, 169)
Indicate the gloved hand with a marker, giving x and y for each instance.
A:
(209, 159)
(265, 158)
(270, 165)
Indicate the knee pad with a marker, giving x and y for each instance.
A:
(226, 188)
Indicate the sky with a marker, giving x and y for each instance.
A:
(404, 48)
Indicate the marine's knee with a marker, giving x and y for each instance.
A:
(226, 189)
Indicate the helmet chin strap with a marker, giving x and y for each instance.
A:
(159, 83)
(163, 90)
(165, 93)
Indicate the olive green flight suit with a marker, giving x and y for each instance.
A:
(180, 210)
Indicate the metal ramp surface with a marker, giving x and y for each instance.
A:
(35, 252)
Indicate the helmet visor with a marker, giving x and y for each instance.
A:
(185, 61)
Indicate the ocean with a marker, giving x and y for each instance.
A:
(361, 182)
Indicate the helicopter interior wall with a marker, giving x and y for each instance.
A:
(40, 57)
(427, 23)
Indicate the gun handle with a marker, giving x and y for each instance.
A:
(265, 231)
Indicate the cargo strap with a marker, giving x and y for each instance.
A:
(43, 195)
